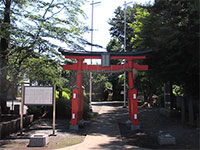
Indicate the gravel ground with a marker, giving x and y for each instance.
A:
(152, 124)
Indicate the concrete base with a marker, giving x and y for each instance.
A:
(81, 123)
(166, 139)
(133, 128)
(73, 127)
(38, 140)
(128, 123)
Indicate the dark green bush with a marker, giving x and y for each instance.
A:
(63, 109)
(38, 111)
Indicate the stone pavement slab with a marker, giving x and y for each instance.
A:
(104, 133)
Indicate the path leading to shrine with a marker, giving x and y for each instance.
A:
(104, 133)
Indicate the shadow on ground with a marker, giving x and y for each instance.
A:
(64, 137)
(152, 124)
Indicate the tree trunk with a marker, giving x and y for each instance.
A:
(4, 44)
(191, 111)
(167, 95)
(60, 94)
(183, 110)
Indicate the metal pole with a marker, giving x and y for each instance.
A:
(90, 96)
(125, 5)
(124, 51)
(93, 3)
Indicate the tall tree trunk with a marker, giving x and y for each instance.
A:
(183, 110)
(167, 95)
(4, 44)
(191, 111)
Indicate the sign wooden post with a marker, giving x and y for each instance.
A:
(22, 109)
(54, 108)
(37, 95)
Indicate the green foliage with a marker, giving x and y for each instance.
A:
(177, 90)
(113, 46)
(172, 31)
(137, 25)
(32, 29)
(108, 85)
(63, 108)
(117, 25)
(44, 70)
(86, 108)
(64, 95)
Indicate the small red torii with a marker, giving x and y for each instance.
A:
(77, 93)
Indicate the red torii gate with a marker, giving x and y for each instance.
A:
(77, 94)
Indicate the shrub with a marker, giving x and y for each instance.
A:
(63, 109)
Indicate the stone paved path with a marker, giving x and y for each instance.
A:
(104, 133)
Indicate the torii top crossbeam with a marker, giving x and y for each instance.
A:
(129, 56)
(97, 55)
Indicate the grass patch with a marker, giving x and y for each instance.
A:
(66, 142)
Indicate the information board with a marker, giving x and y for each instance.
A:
(38, 95)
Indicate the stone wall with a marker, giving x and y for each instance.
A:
(12, 126)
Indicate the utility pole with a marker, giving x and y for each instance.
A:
(125, 5)
(92, 29)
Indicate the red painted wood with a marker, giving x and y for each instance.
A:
(81, 105)
(79, 73)
(86, 67)
(79, 85)
(140, 67)
(129, 106)
(74, 107)
(70, 67)
(131, 84)
(134, 108)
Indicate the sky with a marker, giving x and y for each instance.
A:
(102, 13)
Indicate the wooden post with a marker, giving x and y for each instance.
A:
(54, 108)
(22, 108)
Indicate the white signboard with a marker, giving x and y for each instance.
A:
(38, 95)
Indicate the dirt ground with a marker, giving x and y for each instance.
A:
(153, 124)
(64, 137)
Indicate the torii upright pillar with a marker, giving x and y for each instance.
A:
(77, 97)
(132, 99)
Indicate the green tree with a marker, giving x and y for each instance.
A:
(27, 31)
(114, 78)
(172, 31)
(140, 16)
(117, 25)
